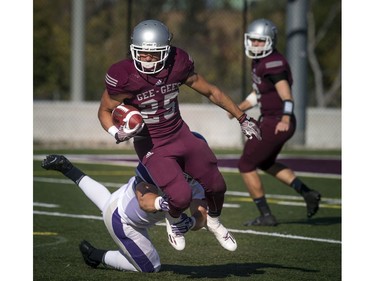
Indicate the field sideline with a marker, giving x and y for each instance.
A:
(297, 249)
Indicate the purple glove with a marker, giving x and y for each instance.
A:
(161, 204)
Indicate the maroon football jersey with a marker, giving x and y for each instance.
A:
(263, 154)
(170, 147)
(270, 101)
(154, 95)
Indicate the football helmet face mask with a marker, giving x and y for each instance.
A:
(263, 30)
(150, 37)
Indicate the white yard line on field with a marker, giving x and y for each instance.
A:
(273, 234)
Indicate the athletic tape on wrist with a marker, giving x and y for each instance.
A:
(157, 203)
(112, 131)
(252, 98)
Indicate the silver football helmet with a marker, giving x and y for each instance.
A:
(261, 29)
(151, 37)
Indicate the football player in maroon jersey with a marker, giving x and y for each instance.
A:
(272, 81)
(150, 81)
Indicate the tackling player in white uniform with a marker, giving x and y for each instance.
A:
(128, 213)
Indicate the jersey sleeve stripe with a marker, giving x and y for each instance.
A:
(273, 64)
(111, 81)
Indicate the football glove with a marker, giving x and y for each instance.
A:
(121, 136)
(183, 225)
(133, 131)
(161, 203)
(124, 134)
(249, 127)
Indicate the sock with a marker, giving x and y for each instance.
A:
(118, 261)
(74, 174)
(215, 203)
(171, 219)
(97, 255)
(299, 186)
(262, 206)
(213, 222)
(214, 214)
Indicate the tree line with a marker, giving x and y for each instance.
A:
(211, 31)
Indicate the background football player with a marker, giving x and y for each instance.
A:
(272, 82)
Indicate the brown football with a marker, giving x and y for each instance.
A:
(127, 116)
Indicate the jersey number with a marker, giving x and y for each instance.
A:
(149, 109)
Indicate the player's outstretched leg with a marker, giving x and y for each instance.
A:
(62, 164)
(224, 237)
(57, 163)
(94, 190)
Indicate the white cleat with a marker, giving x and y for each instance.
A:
(177, 241)
(222, 235)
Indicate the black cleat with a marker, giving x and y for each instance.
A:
(86, 249)
(269, 220)
(57, 163)
(312, 199)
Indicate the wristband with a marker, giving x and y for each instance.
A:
(242, 118)
(288, 107)
(112, 131)
(157, 203)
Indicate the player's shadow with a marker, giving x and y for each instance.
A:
(315, 221)
(226, 270)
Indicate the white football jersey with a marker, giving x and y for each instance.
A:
(131, 213)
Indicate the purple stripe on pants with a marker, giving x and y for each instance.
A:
(135, 252)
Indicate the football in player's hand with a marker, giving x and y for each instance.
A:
(127, 116)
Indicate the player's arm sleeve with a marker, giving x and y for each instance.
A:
(276, 71)
(189, 67)
(274, 78)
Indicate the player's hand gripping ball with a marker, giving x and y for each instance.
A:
(127, 118)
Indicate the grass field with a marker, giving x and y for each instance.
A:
(297, 249)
